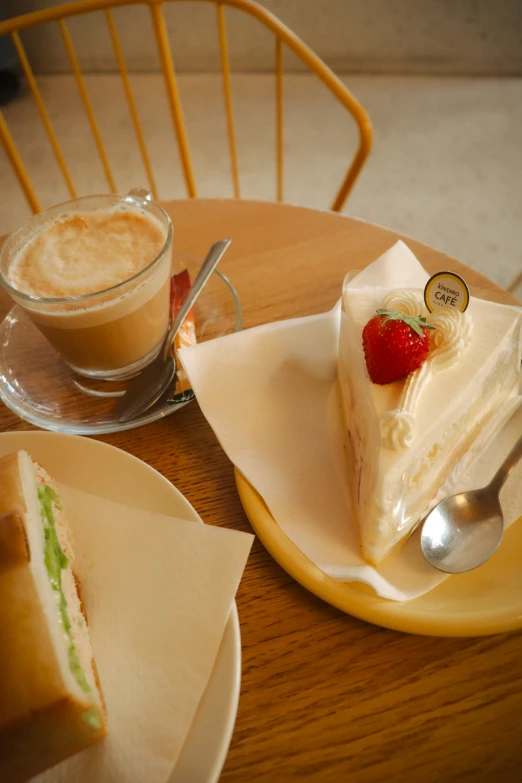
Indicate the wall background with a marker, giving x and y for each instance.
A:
(461, 37)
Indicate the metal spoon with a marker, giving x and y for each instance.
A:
(464, 530)
(149, 385)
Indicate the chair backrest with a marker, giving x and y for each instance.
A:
(283, 37)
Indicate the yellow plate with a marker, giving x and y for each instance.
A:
(485, 601)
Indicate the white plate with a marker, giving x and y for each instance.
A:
(104, 470)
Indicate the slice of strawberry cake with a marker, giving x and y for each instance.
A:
(423, 396)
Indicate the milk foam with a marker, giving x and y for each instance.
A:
(84, 252)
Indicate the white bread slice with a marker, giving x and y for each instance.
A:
(51, 705)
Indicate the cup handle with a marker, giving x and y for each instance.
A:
(141, 193)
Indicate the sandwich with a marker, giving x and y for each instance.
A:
(51, 703)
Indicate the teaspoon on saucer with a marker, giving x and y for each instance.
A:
(464, 530)
(150, 384)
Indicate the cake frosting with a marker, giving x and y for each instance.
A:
(411, 440)
(450, 336)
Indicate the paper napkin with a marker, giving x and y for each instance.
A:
(270, 395)
(158, 592)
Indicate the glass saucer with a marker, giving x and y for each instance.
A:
(39, 387)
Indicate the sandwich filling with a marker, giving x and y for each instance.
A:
(55, 562)
(53, 539)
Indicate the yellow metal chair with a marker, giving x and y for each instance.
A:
(283, 37)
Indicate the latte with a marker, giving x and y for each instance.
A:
(96, 283)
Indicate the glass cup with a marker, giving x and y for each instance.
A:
(113, 333)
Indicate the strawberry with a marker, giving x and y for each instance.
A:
(395, 344)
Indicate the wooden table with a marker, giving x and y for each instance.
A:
(326, 697)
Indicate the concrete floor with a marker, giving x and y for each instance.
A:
(446, 166)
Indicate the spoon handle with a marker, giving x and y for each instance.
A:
(503, 473)
(209, 264)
